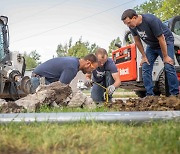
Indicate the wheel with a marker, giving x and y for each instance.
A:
(163, 85)
(140, 94)
(177, 54)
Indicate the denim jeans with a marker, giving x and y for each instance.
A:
(97, 92)
(152, 54)
(35, 82)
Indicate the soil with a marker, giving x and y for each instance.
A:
(149, 103)
(11, 107)
(61, 95)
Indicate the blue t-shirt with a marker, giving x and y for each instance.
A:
(63, 69)
(150, 28)
(99, 73)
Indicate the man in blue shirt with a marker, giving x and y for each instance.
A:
(63, 69)
(106, 74)
(160, 42)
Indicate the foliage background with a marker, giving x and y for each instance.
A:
(164, 9)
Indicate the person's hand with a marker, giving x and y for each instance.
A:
(88, 83)
(144, 60)
(168, 60)
(111, 89)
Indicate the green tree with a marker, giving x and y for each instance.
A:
(62, 50)
(93, 48)
(32, 59)
(169, 9)
(112, 45)
(149, 7)
(163, 9)
(79, 49)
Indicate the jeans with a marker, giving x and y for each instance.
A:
(35, 82)
(152, 54)
(97, 92)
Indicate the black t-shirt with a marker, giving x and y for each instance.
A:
(150, 28)
(99, 73)
(63, 69)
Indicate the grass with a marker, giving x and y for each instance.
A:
(119, 93)
(110, 138)
(48, 109)
(117, 90)
(89, 137)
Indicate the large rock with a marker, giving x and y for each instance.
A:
(46, 95)
(55, 94)
(89, 103)
(2, 102)
(79, 99)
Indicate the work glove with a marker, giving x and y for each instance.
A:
(88, 83)
(111, 89)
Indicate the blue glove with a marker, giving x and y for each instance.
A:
(111, 89)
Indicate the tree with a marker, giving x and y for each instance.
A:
(93, 48)
(163, 9)
(112, 45)
(149, 7)
(34, 55)
(32, 59)
(79, 49)
(169, 9)
(62, 50)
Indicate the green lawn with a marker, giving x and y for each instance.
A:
(117, 90)
(119, 93)
(89, 137)
(111, 138)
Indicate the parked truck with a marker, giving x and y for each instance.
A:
(128, 58)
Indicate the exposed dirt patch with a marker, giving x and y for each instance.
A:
(151, 103)
(57, 94)
(11, 107)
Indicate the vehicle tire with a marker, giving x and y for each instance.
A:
(163, 85)
(177, 55)
(140, 94)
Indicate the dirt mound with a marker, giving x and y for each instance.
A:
(11, 107)
(150, 103)
(58, 94)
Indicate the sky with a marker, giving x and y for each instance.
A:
(43, 24)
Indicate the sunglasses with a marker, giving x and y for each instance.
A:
(93, 67)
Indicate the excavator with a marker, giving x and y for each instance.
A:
(13, 83)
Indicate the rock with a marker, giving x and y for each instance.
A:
(55, 94)
(77, 100)
(2, 102)
(89, 103)
(46, 95)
